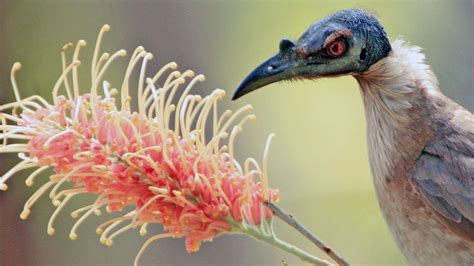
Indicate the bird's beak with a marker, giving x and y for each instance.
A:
(279, 67)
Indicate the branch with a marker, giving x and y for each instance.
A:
(290, 220)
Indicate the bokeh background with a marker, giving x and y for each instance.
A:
(318, 160)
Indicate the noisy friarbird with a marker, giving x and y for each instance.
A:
(421, 143)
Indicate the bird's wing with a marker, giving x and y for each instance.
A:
(444, 173)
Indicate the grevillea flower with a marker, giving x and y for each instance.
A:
(171, 160)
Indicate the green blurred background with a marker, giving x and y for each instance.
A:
(318, 160)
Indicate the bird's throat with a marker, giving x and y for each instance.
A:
(392, 91)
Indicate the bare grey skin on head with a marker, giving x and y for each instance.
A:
(421, 143)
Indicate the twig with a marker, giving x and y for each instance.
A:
(272, 240)
(290, 220)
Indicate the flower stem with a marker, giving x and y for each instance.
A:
(271, 239)
(291, 220)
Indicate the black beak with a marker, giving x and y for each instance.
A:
(277, 68)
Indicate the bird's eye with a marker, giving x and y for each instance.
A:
(336, 49)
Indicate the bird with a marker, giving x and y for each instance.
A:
(420, 142)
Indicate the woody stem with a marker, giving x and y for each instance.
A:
(290, 220)
(271, 239)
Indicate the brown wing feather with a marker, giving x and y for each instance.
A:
(444, 172)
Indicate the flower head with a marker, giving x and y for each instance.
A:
(166, 159)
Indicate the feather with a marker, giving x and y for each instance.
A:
(444, 172)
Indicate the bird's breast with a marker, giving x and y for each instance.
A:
(416, 230)
(394, 145)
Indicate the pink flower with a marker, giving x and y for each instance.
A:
(167, 159)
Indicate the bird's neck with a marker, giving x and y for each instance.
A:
(393, 91)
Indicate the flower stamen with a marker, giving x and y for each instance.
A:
(163, 163)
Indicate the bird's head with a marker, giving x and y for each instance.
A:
(346, 42)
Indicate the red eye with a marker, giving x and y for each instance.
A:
(336, 49)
